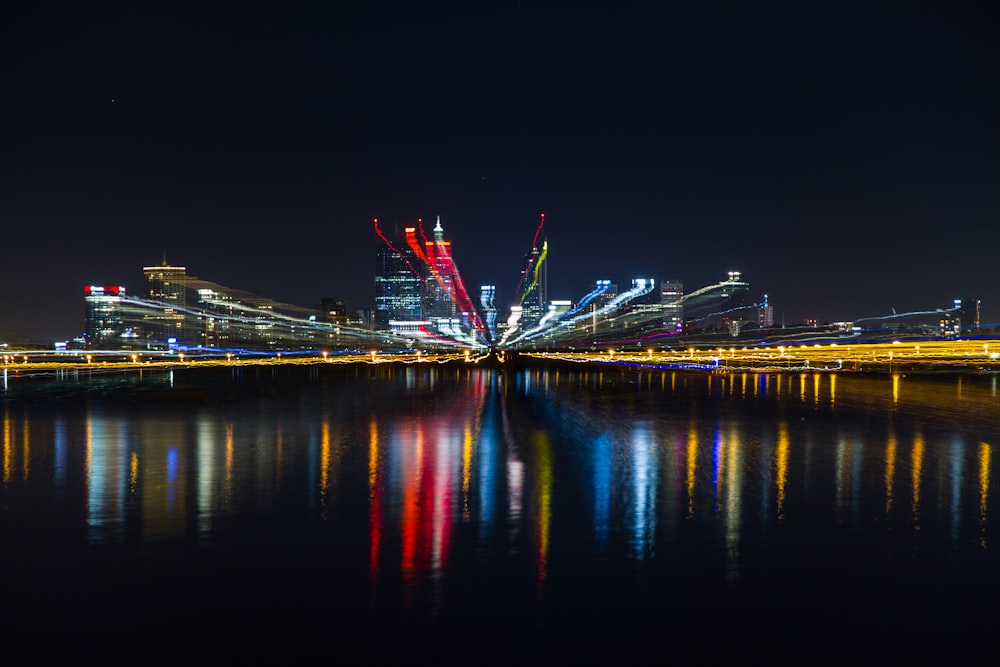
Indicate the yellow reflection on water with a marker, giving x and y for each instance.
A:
(374, 506)
(133, 472)
(543, 453)
(985, 452)
(324, 463)
(781, 466)
(372, 456)
(802, 387)
(833, 388)
(918, 466)
(692, 460)
(466, 469)
(816, 379)
(88, 448)
(733, 470)
(890, 470)
(8, 446)
(25, 450)
(229, 463)
(895, 387)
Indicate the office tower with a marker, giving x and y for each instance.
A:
(968, 313)
(962, 318)
(105, 322)
(440, 296)
(733, 302)
(487, 299)
(531, 287)
(672, 298)
(333, 311)
(165, 320)
(398, 281)
(447, 302)
(765, 315)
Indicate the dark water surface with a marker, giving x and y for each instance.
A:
(482, 516)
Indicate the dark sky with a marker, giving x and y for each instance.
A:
(847, 162)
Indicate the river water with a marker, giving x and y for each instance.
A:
(536, 515)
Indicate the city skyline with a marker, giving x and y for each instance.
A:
(843, 160)
(421, 302)
(547, 316)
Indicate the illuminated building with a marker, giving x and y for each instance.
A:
(487, 299)
(672, 299)
(607, 292)
(167, 285)
(765, 315)
(334, 311)
(440, 293)
(733, 300)
(419, 291)
(398, 284)
(963, 317)
(968, 313)
(106, 323)
(531, 288)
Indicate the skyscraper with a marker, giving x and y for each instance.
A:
(398, 281)
(531, 288)
(733, 301)
(166, 285)
(487, 299)
(672, 298)
(765, 316)
(440, 295)
(105, 322)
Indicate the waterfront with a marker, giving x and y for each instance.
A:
(487, 512)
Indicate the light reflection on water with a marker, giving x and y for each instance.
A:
(476, 494)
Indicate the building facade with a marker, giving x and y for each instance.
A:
(167, 286)
(398, 283)
(106, 321)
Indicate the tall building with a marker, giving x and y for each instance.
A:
(418, 287)
(398, 281)
(672, 299)
(733, 301)
(968, 313)
(167, 286)
(105, 321)
(765, 315)
(531, 289)
(962, 318)
(440, 296)
(487, 299)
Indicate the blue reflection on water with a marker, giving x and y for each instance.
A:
(602, 471)
(469, 499)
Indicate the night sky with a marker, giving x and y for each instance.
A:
(847, 162)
